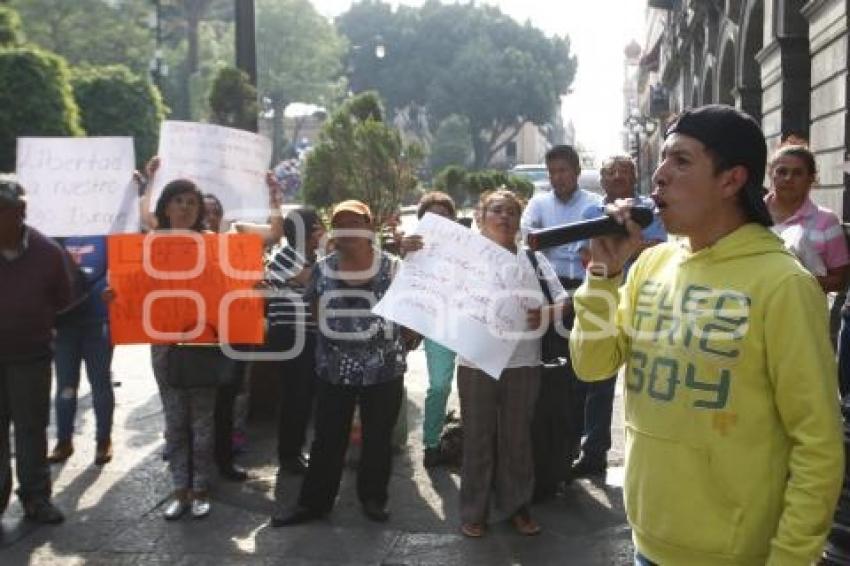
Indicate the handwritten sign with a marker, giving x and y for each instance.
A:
(185, 287)
(227, 162)
(79, 186)
(464, 292)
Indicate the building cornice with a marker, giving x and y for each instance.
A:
(810, 8)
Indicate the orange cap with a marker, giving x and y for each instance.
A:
(354, 206)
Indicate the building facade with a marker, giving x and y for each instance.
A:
(784, 62)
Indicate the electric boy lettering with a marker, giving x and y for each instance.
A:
(700, 323)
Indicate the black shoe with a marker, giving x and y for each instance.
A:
(374, 511)
(296, 465)
(232, 472)
(589, 467)
(43, 511)
(297, 517)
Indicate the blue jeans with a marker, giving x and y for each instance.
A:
(598, 403)
(641, 560)
(844, 354)
(76, 343)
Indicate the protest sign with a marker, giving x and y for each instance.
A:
(79, 186)
(463, 291)
(229, 163)
(185, 287)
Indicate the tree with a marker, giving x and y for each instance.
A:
(359, 156)
(36, 99)
(233, 99)
(452, 144)
(114, 101)
(96, 32)
(299, 59)
(452, 180)
(185, 21)
(196, 40)
(465, 186)
(11, 32)
(464, 59)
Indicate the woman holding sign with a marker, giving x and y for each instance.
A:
(188, 411)
(497, 413)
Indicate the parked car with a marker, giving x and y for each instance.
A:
(537, 174)
(539, 177)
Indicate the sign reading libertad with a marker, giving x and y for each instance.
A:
(79, 186)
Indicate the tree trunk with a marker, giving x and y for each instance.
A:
(493, 147)
(195, 10)
(481, 150)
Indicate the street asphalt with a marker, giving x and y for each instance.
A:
(114, 512)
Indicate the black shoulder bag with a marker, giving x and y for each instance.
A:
(192, 366)
(554, 346)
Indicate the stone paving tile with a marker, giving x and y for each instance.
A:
(114, 512)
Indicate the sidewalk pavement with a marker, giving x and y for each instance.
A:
(114, 515)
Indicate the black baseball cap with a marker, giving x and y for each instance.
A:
(737, 139)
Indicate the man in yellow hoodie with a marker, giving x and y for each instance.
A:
(734, 450)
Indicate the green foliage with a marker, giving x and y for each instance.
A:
(466, 186)
(217, 51)
(452, 180)
(197, 39)
(36, 99)
(198, 35)
(299, 59)
(233, 99)
(94, 32)
(11, 33)
(361, 159)
(114, 101)
(452, 144)
(467, 59)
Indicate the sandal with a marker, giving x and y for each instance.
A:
(472, 530)
(524, 524)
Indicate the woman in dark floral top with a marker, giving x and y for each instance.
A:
(360, 360)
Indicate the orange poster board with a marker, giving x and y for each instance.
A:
(185, 287)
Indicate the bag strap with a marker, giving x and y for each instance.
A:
(543, 285)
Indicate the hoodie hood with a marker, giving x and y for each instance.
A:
(749, 240)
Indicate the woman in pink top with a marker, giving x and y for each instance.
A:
(792, 173)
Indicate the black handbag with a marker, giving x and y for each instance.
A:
(192, 366)
(554, 346)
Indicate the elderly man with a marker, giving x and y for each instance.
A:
(594, 402)
(35, 283)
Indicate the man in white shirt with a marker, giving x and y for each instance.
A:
(556, 435)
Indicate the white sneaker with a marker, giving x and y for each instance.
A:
(175, 508)
(200, 507)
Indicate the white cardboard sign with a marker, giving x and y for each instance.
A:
(79, 186)
(464, 292)
(229, 163)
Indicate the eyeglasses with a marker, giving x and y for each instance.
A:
(510, 211)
